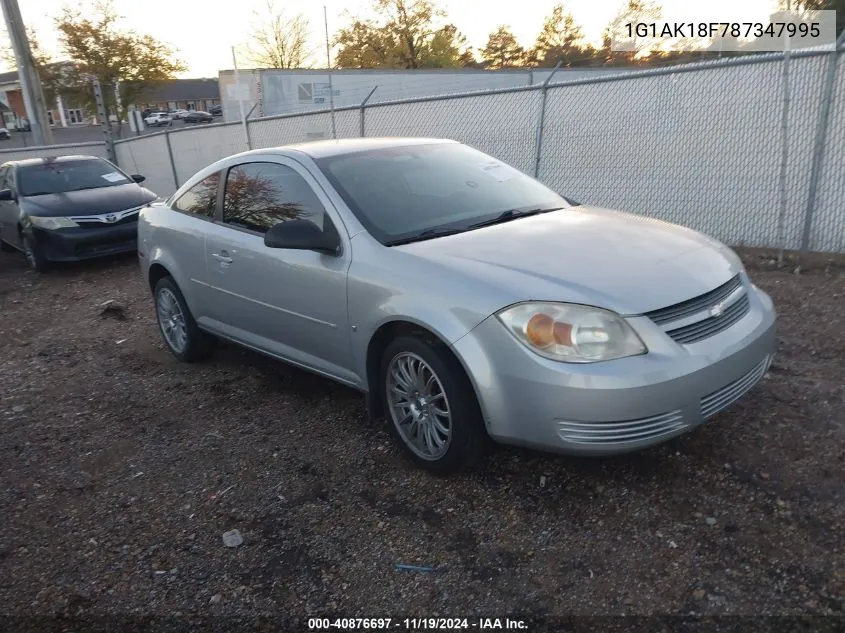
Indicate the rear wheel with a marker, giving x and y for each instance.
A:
(181, 334)
(431, 406)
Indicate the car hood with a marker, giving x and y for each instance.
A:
(626, 263)
(87, 201)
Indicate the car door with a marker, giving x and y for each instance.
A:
(183, 239)
(290, 303)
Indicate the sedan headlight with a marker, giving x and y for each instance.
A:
(570, 332)
(51, 223)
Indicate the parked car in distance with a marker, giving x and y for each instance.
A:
(465, 298)
(158, 119)
(198, 116)
(69, 208)
(4, 134)
(216, 110)
(179, 114)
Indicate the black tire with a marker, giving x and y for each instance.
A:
(198, 344)
(469, 440)
(34, 257)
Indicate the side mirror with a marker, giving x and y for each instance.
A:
(6, 195)
(303, 235)
(138, 178)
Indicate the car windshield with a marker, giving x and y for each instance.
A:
(65, 176)
(399, 193)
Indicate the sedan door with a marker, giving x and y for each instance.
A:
(290, 303)
(182, 240)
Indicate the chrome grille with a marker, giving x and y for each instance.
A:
(730, 393)
(104, 220)
(708, 327)
(697, 304)
(609, 433)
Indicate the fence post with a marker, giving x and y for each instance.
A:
(106, 122)
(820, 142)
(246, 127)
(172, 163)
(538, 143)
(363, 107)
(784, 154)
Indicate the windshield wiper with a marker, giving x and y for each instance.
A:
(512, 214)
(85, 188)
(425, 235)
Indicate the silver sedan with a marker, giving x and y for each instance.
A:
(468, 301)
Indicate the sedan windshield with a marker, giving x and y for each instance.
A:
(65, 176)
(401, 193)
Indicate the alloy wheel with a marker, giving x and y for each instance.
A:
(418, 406)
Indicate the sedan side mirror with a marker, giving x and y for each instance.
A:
(303, 235)
(6, 195)
(138, 178)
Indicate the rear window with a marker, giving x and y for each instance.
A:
(65, 176)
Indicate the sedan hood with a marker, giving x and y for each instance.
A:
(87, 201)
(626, 263)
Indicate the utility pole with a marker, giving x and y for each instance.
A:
(33, 95)
(104, 117)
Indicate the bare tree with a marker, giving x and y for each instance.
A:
(278, 40)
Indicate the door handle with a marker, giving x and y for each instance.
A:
(222, 258)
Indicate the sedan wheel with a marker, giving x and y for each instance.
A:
(431, 405)
(34, 257)
(418, 406)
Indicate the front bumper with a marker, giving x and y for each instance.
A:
(615, 406)
(78, 243)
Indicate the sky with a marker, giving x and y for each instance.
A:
(204, 39)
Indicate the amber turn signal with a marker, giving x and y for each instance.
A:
(543, 331)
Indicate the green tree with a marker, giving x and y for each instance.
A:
(446, 49)
(634, 11)
(278, 40)
(503, 50)
(49, 72)
(100, 50)
(560, 40)
(363, 44)
(405, 36)
(818, 5)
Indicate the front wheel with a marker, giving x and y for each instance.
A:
(34, 257)
(431, 406)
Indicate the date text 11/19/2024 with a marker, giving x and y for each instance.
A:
(416, 624)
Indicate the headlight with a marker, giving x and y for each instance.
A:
(51, 223)
(571, 333)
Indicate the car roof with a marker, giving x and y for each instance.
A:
(339, 147)
(24, 162)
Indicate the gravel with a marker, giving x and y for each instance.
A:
(120, 469)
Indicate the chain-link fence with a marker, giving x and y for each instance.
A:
(750, 150)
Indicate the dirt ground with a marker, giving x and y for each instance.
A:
(120, 470)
